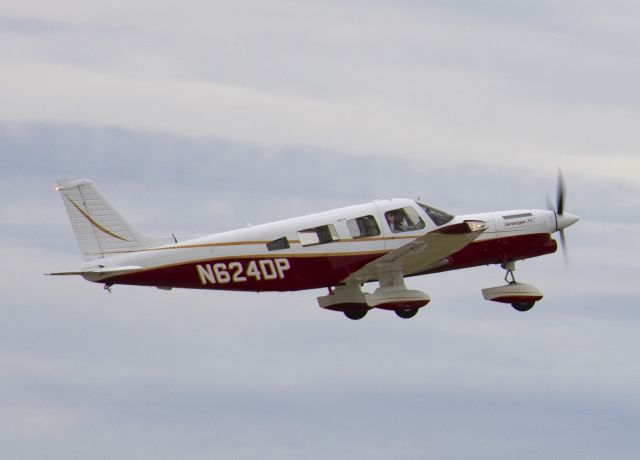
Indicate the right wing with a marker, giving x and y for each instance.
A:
(428, 251)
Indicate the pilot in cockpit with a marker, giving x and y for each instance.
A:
(397, 221)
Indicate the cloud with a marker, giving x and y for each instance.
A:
(402, 80)
(28, 25)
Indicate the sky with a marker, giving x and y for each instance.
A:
(203, 116)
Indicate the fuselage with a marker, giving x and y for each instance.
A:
(322, 250)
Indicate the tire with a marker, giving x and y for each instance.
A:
(406, 313)
(355, 314)
(525, 305)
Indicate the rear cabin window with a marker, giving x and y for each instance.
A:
(362, 227)
(318, 235)
(404, 220)
(280, 243)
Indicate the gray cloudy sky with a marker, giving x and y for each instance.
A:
(199, 115)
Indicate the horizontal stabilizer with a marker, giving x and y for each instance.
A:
(100, 271)
(65, 273)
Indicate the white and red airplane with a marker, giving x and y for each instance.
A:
(383, 241)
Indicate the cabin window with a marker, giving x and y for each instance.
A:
(438, 216)
(318, 235)
(280, 243)
(362, 227)
(403, 220)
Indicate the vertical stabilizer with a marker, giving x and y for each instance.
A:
(100, 230)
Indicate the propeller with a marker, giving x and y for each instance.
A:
(560, 195)
(563, 220)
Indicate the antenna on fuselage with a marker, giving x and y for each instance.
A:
(173, 235)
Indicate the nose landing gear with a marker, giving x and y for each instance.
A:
(522, 297)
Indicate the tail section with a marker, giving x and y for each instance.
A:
(100, 230)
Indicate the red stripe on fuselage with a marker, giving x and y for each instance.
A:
(252, 274)
(321, 271)
(499, 250)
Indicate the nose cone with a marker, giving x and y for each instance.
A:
(565, 220)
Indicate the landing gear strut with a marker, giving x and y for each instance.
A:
(510, 267)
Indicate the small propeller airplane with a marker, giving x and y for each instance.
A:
(383, 241)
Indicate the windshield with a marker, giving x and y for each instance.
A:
(438, 216)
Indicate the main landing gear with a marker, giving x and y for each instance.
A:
(391, 295)
(522, 297)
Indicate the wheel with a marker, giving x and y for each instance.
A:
(355, 314)
(406, 313)
(524, 305)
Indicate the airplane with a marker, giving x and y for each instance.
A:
(384, 241)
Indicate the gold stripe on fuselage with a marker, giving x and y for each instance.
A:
(250, 243)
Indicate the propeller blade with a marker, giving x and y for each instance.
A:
(562, 191)
(562, 220)
(563, 243)
(550, 206)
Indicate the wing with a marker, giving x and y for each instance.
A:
(428, 251)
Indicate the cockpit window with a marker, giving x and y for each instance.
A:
(403, 220)
(438, 216)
